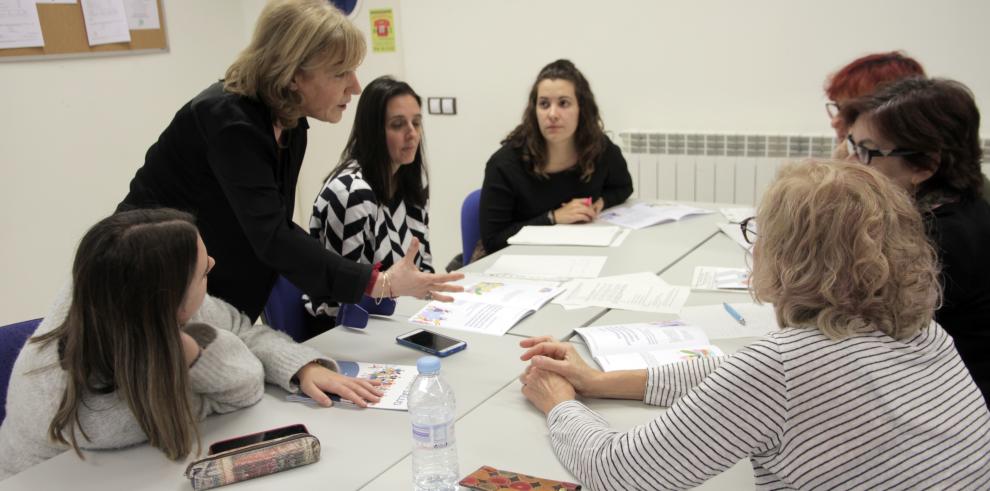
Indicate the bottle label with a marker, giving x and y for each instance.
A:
(433, 436)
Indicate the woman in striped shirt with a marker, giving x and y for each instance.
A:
(860, 390)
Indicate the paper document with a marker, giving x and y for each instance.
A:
(488, 305)
(570, 235)
(106, 22)
(642, 215)
(395, 382)
(644, 292)
(737, 215)
(735, 233)
(719, 324)
(712, 278)
(548, 268)
(643, 345)
(19, 25)
(142, 14)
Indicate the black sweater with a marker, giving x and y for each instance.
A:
(961, 233)
(513, 196)
(218, 160)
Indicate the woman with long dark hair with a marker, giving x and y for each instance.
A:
(924, 134)
(134, 350)
(557, 166)
(373, 205)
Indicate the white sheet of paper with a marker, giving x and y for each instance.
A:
(737, 215)
(642, 215)
(712, 278)
(643, 292)
(142, 14)
(106, 22)
(19, 25)
(463, 315)
(718, 324)
(735, 233)
(619, 239)
(653, 358)
(549, 268)
(576, 235)
(506, 291)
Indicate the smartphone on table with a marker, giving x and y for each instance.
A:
(431, 342)
(261, 436)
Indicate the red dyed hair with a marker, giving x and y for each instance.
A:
(864, 75)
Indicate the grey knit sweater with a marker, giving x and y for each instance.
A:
(237, 359)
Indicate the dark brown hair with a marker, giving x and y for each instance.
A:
(121, 333)
(368, 147)
(937, 117)
(863, 75)
(589, 137)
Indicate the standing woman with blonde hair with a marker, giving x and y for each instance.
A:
(232, 156)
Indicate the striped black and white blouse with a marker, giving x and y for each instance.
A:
(865, 412)
(348, 220)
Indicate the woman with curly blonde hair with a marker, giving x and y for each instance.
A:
(859, 389)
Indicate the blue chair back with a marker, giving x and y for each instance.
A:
(470, 224)
(285, 311)
(12, 339)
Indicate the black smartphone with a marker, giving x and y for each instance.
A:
(431, 342)
(261, 436)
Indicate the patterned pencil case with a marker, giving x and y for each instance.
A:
(254, 460)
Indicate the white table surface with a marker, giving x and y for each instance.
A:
(369, 449)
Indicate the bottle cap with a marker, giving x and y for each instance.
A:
(428, 364)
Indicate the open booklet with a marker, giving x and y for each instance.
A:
(635, 346)
(395, 379)
(488, 304)
(642, 215)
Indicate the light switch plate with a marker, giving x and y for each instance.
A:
(433, 105)
(448, 105)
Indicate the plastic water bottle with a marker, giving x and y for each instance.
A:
(431, 408)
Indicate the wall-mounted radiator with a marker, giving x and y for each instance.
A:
(717, 167)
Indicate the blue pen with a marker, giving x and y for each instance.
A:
(734, 313)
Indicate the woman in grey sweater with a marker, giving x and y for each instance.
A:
(134, 350)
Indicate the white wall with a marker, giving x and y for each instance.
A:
(74, 131)
(706, 66)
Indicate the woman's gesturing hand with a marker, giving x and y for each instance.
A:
(405, 279)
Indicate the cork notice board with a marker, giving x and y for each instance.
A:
(65, 35)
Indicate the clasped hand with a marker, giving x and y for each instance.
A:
(578, 210)
(556, 373)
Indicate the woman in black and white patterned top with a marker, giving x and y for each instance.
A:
(860, 390)
(374, 203)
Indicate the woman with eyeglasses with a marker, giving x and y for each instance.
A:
(858, 390)
(923, 134)
(861, 77)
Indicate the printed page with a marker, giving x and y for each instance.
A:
(395, 382)
(496, 290)
(712, 278)
(142, 14)
(549, 268)
(646, 359)
(19, 25)
(576, 235)
(625, 338)
(644, 292)
(642, 215)
(106, 22)
(483, 318)
(718, 324)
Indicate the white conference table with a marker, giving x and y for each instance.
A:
(520, 441)
(370, 449)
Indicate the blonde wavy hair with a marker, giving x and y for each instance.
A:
(843, 249)
(293, 35)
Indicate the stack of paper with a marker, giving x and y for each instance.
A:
(546, 268)
(488, 304)
(642, 215)
(712, 278)
(568, 235)
(636, 346)
(717, 323)
(644, 292)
